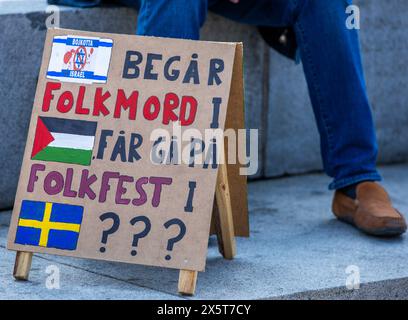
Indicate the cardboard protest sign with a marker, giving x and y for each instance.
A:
(98, 178)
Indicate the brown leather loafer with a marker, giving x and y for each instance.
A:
(371, 212)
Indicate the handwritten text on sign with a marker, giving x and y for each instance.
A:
(88, 185)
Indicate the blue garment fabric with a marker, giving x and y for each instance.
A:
(76, 3)
(331, 59)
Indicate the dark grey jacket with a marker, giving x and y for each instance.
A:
(281, 39)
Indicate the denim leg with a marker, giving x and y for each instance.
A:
(170, 18)
(272, 13)
(331, 61)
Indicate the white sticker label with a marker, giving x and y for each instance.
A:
(80, 59)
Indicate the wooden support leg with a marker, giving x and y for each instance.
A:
(224, 226)
(22, 265)
(223, 216)
(215, 221)
(187, 282)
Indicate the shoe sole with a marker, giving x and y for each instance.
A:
(343, 212)
(379, 232)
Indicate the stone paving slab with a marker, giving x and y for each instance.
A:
(23, 26)
(297, 250)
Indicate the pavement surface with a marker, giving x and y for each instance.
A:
(297, 250)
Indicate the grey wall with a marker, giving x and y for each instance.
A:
(279, 107)
(293, 142)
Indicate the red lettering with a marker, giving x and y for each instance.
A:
(192, 102)
(99, 101)
(126, 103)
(170, 108)
(148, 113)
(48, 96)
(65, 102)
(171, 102)
(79, 109)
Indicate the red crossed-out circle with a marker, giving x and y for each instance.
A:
(81, 58)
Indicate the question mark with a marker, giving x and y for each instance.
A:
(172, 241)
(113, 229)
(141, 234)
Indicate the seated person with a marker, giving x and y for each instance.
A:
(316, 32)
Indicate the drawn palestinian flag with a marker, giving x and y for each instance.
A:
(64, 140)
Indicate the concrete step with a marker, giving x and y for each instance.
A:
(23, 25)
(297, 250)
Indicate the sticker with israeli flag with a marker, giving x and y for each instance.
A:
(80, 59)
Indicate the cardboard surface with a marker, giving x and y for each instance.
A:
(236, 120)
(88, 187)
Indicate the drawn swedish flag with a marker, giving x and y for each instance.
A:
(51, 225)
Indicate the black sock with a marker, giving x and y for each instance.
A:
(350, 191)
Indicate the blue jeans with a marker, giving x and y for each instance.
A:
(331, 61)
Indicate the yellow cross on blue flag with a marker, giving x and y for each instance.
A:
(47, 224)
